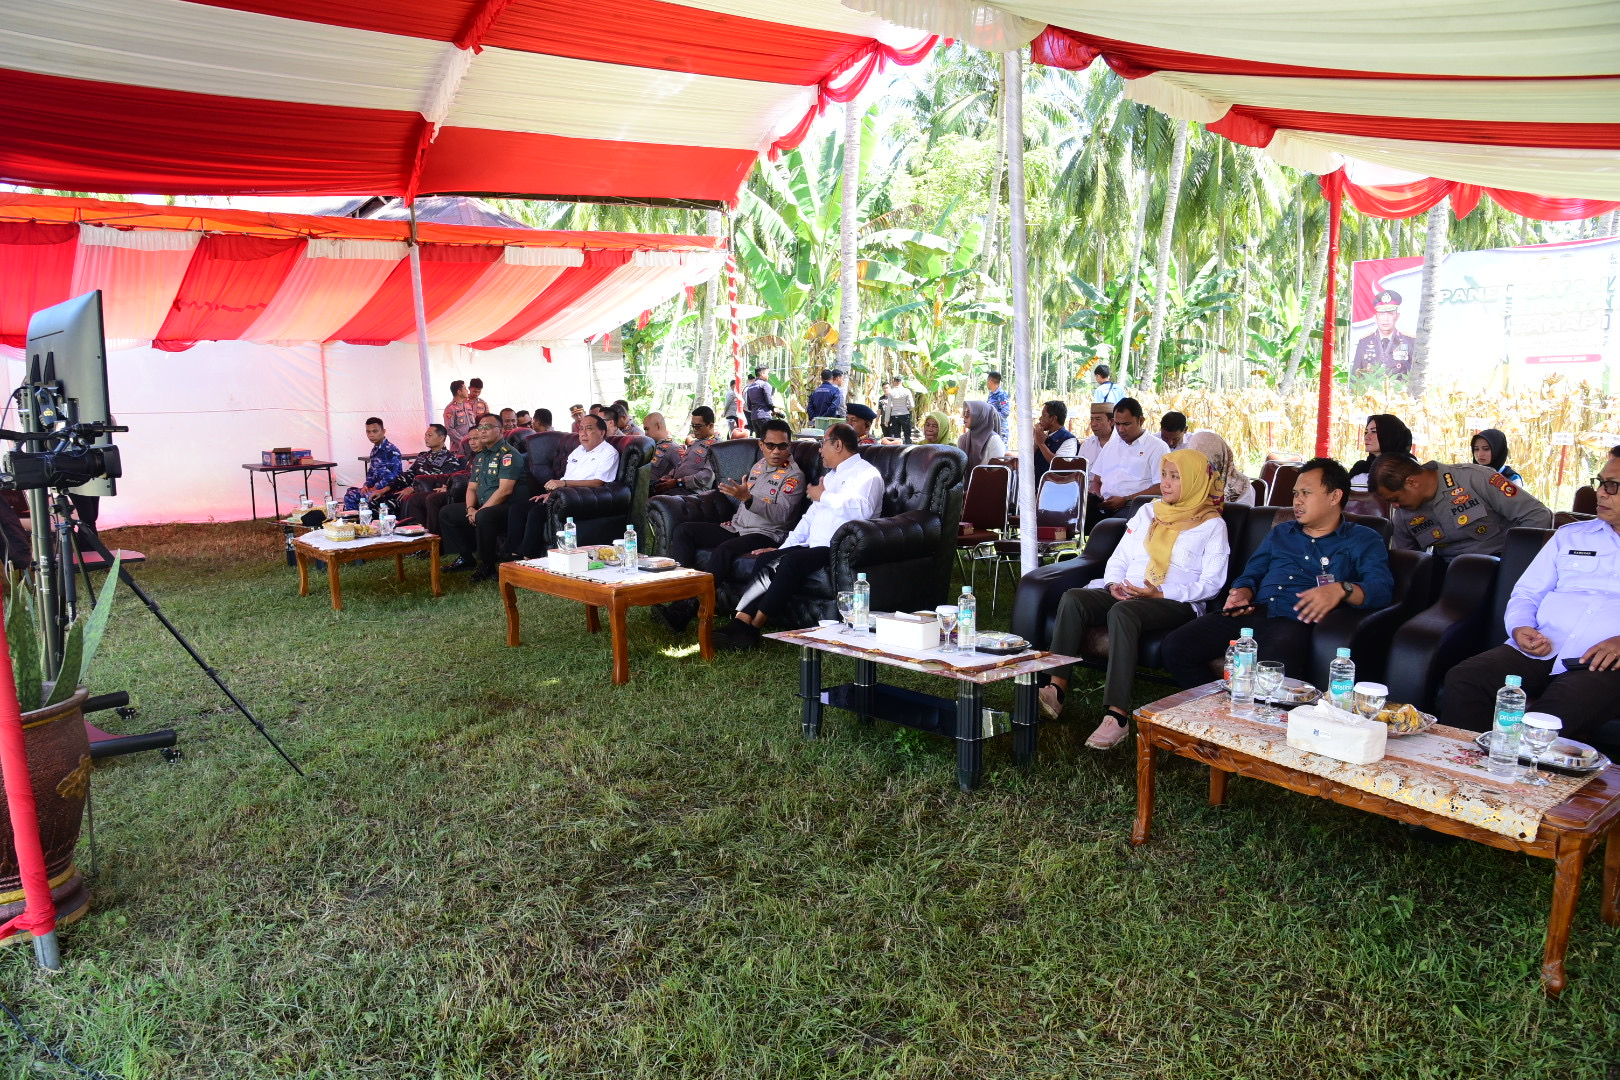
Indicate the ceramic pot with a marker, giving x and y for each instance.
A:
(59, 763)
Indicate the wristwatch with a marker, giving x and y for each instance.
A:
(1349, 589)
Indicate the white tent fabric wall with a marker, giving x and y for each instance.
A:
(196, 417)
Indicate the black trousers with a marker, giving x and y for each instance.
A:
(422, 507)
(1583, 700)
(724, 546)
(1189, 651)
(757, 427)
(899, 427)
(531, 524)
(1126, 620)
(780, 574)
(483, 536)
(1095, 512)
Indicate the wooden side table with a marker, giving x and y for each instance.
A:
(314, 545)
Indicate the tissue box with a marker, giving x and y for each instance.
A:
(907, 631)
(1343, 736)
(568, 562)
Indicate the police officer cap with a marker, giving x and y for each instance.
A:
(861, 412)
(1388, 300)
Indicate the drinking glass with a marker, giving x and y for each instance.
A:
(1539, 731)
(846, 610)
(620, 552)
(1370, 698)
(947, 624)
(1268, 679)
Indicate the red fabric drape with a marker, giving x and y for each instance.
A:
(569, 288)
(230, 281)
(1333, 188)
(36, 264)
(1417, 197)
(845, 83)
(39, 913)
(447, 274)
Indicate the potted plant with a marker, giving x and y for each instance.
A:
(58, 749)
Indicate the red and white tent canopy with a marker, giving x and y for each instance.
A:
(173, 275)
(636, 99)
(1503, 97)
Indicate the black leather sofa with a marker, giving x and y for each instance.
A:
(905, 552)
(600, 514)
(1366, 633)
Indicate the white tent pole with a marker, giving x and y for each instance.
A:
(421, 322)
(1012, 80)
(849, 314)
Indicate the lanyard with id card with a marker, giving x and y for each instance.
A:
(1325, 578)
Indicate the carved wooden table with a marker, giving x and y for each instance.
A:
(315, 545)
(1568, 832)
(963, 718)
(618, 594)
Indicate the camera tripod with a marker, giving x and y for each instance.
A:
(56, 552)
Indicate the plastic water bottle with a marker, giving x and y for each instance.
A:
(861, 615)
(1244, 655)
(570, 535)
(630, 560)
(365, 511)
(1226, 671)
(1507, 729)
(1342, 681)
(967, 621)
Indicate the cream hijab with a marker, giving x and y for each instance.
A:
(1230, 483)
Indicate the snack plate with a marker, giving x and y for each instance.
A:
(996, 643)
(656, 564)
(1292, 695)
(1564, 755)
(1428, 722)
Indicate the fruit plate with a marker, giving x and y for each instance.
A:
(657, 563)
(1564, 755)
(996, 643)
(1425, 721)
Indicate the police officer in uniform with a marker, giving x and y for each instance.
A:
(769, 496)
(1386, 347)
(692, 469)
(1453, 510)
(479, 523)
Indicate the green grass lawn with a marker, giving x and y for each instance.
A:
(504, 866)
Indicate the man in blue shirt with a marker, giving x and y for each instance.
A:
(1563, 623)
(828, 398)
(1106, 390)
(1303, 570)
(383, 466)
(997, 399)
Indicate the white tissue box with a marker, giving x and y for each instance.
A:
(568, 562)
(907, 631)
(1331, 732)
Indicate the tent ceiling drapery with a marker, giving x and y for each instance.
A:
(176, 275)
(638, 99)
(1514, 97)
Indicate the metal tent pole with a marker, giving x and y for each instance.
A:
(420, 307)
(1012, 81)
(849, 314)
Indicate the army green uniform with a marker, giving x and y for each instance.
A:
(487, 533)
(1470, 514)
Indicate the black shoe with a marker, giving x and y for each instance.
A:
(462, 563)
(482, 574)
(677, 616)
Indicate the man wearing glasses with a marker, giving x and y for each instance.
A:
(1563, 621)
(767, 499)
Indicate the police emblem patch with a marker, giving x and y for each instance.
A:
(790, 486)
(1462, 519)
(1438, 534)
(1483, 529)
(1500, 483)
(1418, 522)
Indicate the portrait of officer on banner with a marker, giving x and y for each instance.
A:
(1386, 347)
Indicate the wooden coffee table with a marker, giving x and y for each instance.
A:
(315, 545)
(618, 595)
(1567, 832)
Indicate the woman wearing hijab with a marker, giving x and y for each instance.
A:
(1491, 450)
(937, 429)
(979, 439)
(1384, 434)
(1171, 560)
(1229, 484)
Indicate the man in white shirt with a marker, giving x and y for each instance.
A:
(850, 489)
(593, 463)
(1564, 611)
(1127, 467)
(1102, 430)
